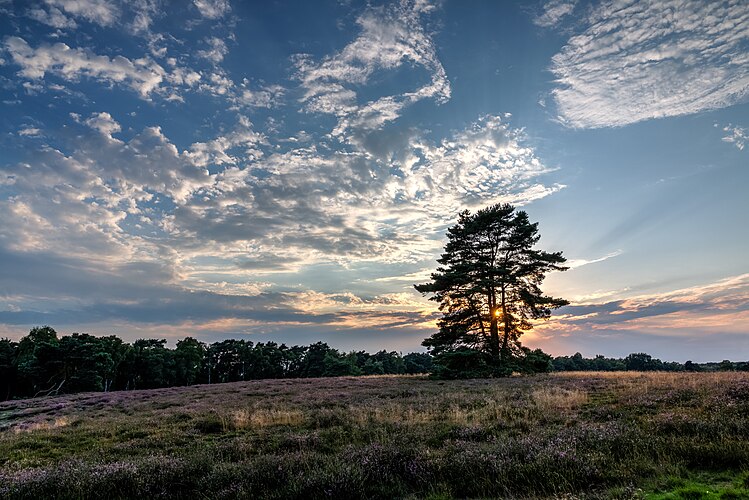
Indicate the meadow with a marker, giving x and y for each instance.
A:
(565, 435)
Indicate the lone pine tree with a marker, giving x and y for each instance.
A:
(488, 285)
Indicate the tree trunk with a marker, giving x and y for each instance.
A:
(506, 325)
(494, 335)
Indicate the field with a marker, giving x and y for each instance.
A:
(567, 435)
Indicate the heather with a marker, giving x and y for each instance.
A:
(587, 435)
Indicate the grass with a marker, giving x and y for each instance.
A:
(567, 435)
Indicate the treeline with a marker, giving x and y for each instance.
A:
(43, 364)
(640, 362)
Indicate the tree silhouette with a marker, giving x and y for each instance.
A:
(488, 285)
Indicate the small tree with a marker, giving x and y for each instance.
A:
(488, 285)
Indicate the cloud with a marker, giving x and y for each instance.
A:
(738, 136)
(718, 307)
(104, 123)
(102, 12)
(52, 17)
(312, 204)
(389, 38)
(53, 289)
(575, 263)
(143, 225)
(267, 96)
(260, 209)
(652, 59)
(218, 150)
(554, 12)
(142, 75)
(213, 9)
(216, 50)
(29, 132)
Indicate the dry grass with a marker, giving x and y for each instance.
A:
(45, 425)
(557, 398)
(257, 418)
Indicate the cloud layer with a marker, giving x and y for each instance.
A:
(103, 201)
(639, 60)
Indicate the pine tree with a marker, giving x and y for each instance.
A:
(488, 284)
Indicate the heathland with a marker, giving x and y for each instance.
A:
(565, 435)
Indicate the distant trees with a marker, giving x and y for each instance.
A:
(43, 364)
(488, 287)
(634, 362)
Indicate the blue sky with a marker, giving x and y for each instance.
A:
(286, 170)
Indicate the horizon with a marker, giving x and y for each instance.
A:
(287, 172)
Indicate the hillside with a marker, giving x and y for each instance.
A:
(622, 435)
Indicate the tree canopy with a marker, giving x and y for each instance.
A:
(42, 363)
(488, 286)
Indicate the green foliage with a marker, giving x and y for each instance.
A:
(462, 362)
(417, 362)
(535, 361)
(188, 360)
(488, 288)
(42, 364)
(8, 368)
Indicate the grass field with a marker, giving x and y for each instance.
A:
(567, 435)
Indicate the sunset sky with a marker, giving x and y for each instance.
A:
(286, 171)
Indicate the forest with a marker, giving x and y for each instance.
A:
(43, 363)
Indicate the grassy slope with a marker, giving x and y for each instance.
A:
(622, 435)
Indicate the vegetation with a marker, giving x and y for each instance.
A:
(488, 287)
(564, 435)
(43, 364)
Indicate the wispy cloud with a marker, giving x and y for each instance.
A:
(52, 17)
(29, 132)
(575, 263)
(738, 136)
(553, 12)
(718, 307)
(639, 60)
(216, 50)
(213, 9)
(390, 37)
(102, 12)
(142, 75)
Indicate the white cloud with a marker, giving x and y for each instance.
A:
(486, 163)
(264, 97)
(311, 204)
(653, 59)
(102, 12)
(213, 9)
(104, 123)
(216, 50)
(738, 136)
(53, 17)
(218, 150)
(554, 12)
(142, 75)
(575, 263)
(144, 12)
(390, 37)
(29, 132)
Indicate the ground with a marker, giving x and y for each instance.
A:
(566, 435)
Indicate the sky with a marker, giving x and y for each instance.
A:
(286, 171)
